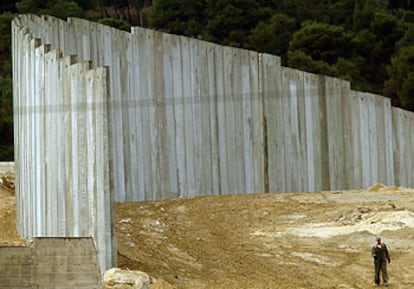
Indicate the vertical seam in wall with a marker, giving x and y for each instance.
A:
(324, 139)
(217, 143)
(264, 119)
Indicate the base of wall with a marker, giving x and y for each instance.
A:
(50, 263)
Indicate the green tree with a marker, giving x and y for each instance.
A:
(6, 119)
(185, 17)
(350, 69)
(116, 23)
(376, 44)
(31, 6)
(362, 15)
(87, 4)
(400, 84)
(63, 9)
(140, 7)
(273, 36)
(407, 39)
(330, 50)
(58, 8)
(388, 31)
(340, 13)
(8, 6)
(300, 60)
(230, 21)
(404, 4)
(321, 41)
(301, 10)
(6, 114)
(5, 37)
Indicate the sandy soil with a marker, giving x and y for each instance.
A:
(8, 233)
(294, 240)
(266, 241)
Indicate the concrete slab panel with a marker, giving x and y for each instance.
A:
(221, 120)
(271, 86)
(313, 132)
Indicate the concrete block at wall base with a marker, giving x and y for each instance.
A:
(57, 263)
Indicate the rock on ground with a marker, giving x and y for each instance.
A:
(127, 279)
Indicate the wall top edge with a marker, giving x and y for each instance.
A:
(402, 111)
(26, 21)
(37, 44)
(372, 96)
(32, 19)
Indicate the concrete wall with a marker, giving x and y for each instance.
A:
(182, 117)
(50, 263)
(185, 114)
(403, 139)
(16, 267)
(6, 167)
(371, 159)
(199, 118)
(62, 158)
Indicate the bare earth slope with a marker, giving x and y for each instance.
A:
(293, 240)
(8, 233)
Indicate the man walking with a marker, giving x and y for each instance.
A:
(380, 253)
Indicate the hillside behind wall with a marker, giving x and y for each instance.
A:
(61, 145)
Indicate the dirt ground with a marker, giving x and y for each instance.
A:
(266, 241)
(8, 233)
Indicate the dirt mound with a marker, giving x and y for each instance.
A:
(380, 187)
(7, 184)
(8, 232)
(309, 240)
(256, 241)
(372, 223)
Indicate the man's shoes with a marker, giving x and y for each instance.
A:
(385, 284)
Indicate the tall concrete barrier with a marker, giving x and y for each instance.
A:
(202, 102)
(370, 148)
(403, 137)
(148, 115)
(62, 159)
(190, 111)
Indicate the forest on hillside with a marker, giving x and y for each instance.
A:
(368, 42)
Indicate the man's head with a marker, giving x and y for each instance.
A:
(378, 238)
